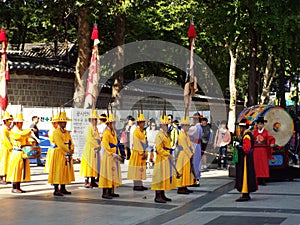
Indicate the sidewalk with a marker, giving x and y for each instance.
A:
(211, 203)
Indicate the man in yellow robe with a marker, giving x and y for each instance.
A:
(163, 177)
(61, 168)
(91, 152)
(110, 170)
(19, 166)
(183, 163)
(137, 161)
(5, 146)
(49, 156)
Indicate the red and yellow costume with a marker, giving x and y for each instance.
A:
(245, 175)
(262, 152)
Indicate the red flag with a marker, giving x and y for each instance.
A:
(191, 81)
(91, 93)
(4, 72)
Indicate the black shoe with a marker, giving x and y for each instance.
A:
(138, 188)
(242, 199)
(145, 188)
(57, 193)
(114, 195)
(107, 196)
(65, 192)
(159, 200)
(182, 191)
(190, 191)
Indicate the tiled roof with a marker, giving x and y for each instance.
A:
(40, 56)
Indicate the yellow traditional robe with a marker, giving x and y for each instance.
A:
(61, 167)
(90, 159)
(5, 150)
(137, 165)
(110, 171)
(164, 176)
(50, 151)
(19, 165)
(183, 164)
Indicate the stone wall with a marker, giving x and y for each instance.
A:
(33, 90)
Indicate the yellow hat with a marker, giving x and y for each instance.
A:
(7, 116)
(140, 118)
(54, 118)
(93, 114)
(19, 118)
(102, 117)
(63, 117)
(185, 120)
(110, 118)
(163, 120)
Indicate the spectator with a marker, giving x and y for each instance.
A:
(205, 139)
(222, 139)
(151, 134)
(35, 136)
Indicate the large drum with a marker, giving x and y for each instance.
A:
(32, 152)
(279, 122)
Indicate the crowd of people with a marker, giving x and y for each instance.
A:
(177, 151)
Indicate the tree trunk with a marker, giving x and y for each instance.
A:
(232, 89)
(267, 81)
(83, 58)
(281, 84)
(119, 61)
(252, 78)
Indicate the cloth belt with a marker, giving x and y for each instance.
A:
(260, 143)
(196, 141)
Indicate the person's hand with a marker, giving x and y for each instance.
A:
(38, 141)
(272, 145)
(116, 156)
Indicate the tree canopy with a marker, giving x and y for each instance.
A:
(272, 27)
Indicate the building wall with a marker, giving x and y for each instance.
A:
(32, 90)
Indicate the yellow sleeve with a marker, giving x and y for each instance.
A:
(138, 137)
(72, 143)
(4, 139)
(90, 137)
(183, 141)
(20, 134)
(59, 141)
(159, 144)
(105, 141)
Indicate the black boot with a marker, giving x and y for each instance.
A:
(87, 184)
(164, 197)
(112, 193)
(188, 190)
(182, 191)
(245, 197)
(106, 194)
(14, 187)
(57, 191)
(19, 188)
(63, 190)
(158, 198)
(93, 182)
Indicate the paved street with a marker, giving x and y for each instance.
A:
(212, 203)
